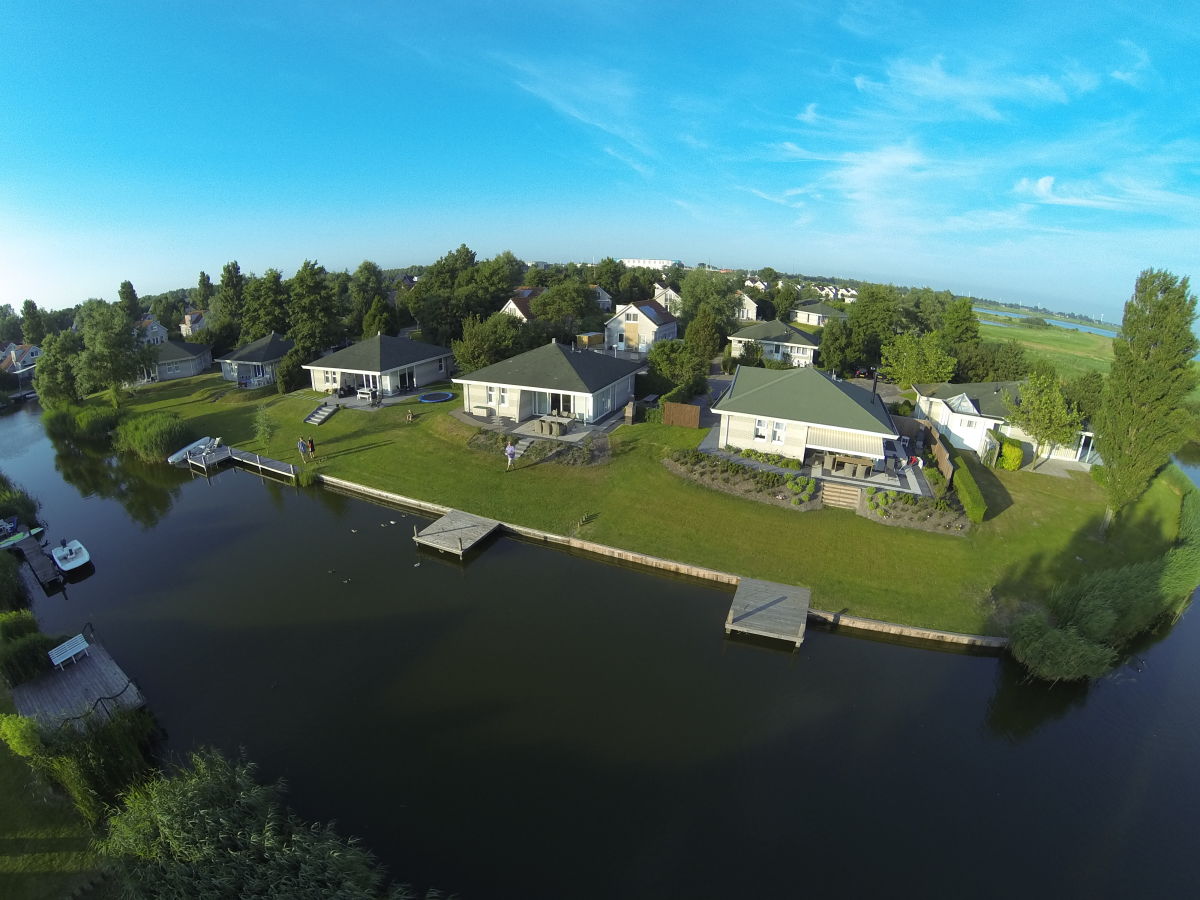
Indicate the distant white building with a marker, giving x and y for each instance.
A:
(662, 264)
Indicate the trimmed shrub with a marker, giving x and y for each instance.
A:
(1012, 454)
(936, 482)
(968, 491)
(153, 437)
(15, 624)
(653, 416)
(26, 657)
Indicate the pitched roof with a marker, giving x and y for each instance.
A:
(651, 309)
(805, 395)
(177, 351)
(267, 349)
(527, 293)
(381, 353)
(822, 309)
(774, 333)
(556, 367)
(522, 305)
(985, 397)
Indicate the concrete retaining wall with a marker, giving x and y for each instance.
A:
(677, 568)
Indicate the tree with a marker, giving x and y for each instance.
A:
(960, 326)
(229, 299)
(991, 361)
(311, 311)
(486, 341)
(1042, 412)
(909, 359)
(608, 274)
(837, 345)
(54, 378)
(265, 307)
(366, 284)
(10, 325)
(128, 300)
(203, 292)
(567, 302)
(380, 319)
(703, 335)
(751, 355)
(1083, 394)
(111, 353)
(33, 323)
(702, 288)
(1139, 425)
(211, 829)
(675, 361)
(873, 319)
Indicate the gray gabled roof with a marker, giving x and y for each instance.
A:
(805, 395)
(381, 353)
(987, 397)
(822, 309)
(775, 333)
(556, 367)
(177, 351)
(271, 348)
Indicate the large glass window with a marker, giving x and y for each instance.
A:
(777, 430)
(760, 430)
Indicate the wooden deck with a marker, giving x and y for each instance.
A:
(263, 464)
(456, 532)
(94, 683)
(769, 610)
(41, 563)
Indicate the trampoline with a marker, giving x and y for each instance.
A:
(436, 397)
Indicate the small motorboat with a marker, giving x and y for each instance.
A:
(70, 555)
(13, 539)
(195, 448)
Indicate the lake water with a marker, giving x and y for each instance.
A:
(1090, 329)
(538, 725)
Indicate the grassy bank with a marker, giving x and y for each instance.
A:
(1071, 352)
(1040, 531)
(44, 844)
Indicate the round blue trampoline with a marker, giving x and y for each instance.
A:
(436, 397)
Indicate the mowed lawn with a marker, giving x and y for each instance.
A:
(1072, 352)
(1042, 529)
(43, 841)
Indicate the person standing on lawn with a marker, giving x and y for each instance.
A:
(511, 453)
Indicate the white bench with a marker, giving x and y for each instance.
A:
(69, 650)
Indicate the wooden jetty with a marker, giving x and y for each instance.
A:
(43, 566)
(205, 462)
(95, 685)
(455, 532)
(769, 610)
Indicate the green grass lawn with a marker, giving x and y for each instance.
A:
(43, 841)
(1071, 352)
(1041, 530)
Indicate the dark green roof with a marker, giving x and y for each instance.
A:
(177, 351)
(775, 333)
(987, 397)
(381, 353)
(556, 367)
(271, 348)
(822, 309)
(805, 395)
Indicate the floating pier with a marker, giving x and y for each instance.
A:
(43, 566)
(205, 462)
(455, 532)
(95, 685)
(770, 610)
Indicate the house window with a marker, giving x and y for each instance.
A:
(491, 395)
(630, 317)
(442, 364)
(760, 430)
(329, 376)
(775, 349)
(968, 423)
(504, 396)
(777, 429)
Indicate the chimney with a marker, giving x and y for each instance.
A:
(874, 387)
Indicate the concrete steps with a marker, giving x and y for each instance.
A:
(841, 496)
(319, 415)
(522, 445)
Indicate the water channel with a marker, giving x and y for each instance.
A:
(1071, 326)
(538, 725)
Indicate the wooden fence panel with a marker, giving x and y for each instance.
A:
(684, 415)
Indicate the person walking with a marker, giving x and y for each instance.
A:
(312, 449)
(302, 446)
(511, 453)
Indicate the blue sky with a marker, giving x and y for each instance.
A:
(1038, 152)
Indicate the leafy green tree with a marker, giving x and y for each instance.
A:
(203, 293)
(608, 273)
(676, 362)
(265, 308)
(873, 319)
(227, 303)
(54, 378)
(211, 829)
(33, 323)
(112, 355)
(785, 298)
(567, 302)
(1139, 424)
(1083, 394)
(635, 286)
(380, 319)
(366, 284)
(311, 311)
(960, 326)
(991, 361)
(701, 288)
(487, 341)
(264, 426)
(1043, 413)
(909, 359)
(703, 335)
(837, 346)
(10, 325)
(751, 355)
(128, 299)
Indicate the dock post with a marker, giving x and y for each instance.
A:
(460, 548)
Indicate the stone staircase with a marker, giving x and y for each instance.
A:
(842, 496)
(319, 415)
(522, 445)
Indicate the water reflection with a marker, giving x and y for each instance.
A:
(145, 491)
(1022, 705)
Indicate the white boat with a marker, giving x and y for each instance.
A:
(70, 555)
(195, 448)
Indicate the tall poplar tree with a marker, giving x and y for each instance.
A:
(1141, 422)
(312, 310)
(128, 300)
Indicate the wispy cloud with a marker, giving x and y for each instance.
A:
(1137, 67)
(642, 169)
(809, 115)
(1042, 190)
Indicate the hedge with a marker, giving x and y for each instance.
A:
(26, 657)
(968, 491)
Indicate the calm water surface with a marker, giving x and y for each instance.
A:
(1072, 326)
(538, 725)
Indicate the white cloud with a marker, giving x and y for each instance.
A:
(1138, 66)
(809, 115)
